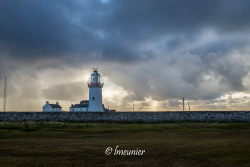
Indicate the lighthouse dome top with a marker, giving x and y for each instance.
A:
(95, 72)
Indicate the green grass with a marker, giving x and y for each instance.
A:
(83, 144)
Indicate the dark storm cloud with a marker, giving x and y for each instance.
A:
(35, 30)
(115, 28)
(150, 18)
(162, 48)
(29, 27)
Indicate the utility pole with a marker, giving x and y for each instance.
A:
(133, 107)
(188, 106)
(183, 104)
(5, 94)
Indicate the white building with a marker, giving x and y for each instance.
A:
(52, 107)
(94, 104)
(83, 106)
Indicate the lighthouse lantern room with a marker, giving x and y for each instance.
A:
(95, 92)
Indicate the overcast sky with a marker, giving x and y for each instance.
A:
(149, 52)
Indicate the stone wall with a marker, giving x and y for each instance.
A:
(205, 116)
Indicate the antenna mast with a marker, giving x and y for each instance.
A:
(5, 94)
(188, 106)
(183, 103)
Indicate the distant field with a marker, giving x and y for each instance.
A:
(83, 144)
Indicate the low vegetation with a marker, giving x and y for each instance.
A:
(84, 144)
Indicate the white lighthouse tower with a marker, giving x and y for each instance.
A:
(95, 92)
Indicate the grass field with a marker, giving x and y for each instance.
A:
(84, 144)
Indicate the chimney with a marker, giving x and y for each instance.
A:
(57, 103)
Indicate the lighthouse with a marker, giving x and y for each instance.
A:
(95, 92)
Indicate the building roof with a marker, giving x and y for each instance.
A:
(55, 105)
(83, 104)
